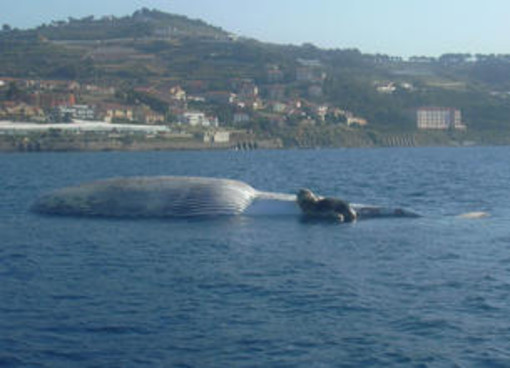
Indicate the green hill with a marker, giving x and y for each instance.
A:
(151, 47)
(143, 23)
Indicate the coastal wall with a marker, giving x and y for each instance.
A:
(353, 139)
(73, 143)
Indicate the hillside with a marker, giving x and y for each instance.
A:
(151, 49)
(143, 23)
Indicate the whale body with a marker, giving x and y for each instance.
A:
(164, 196)
(175, 196)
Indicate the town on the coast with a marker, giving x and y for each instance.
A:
(66, 108)
(183, 111)
(181, 84)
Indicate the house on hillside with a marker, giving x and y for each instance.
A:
(321, 111)
(278, 107)
(114, 112)
(20, 111)
(50, 99)
(351, 119)
(354, 120)
(197, 118)
(78, 112)
(144, 114)
(386, 87)
(246, 89)
(99, 91)
(177, 93)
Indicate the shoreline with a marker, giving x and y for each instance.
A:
(30, 146)
(159, 138)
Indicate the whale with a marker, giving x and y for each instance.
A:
(180, 197)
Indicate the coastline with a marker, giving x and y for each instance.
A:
(95, 143)
(16, 144)
(44, 138)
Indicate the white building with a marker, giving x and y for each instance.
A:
(439, 118)
(221, 136)
(196, 118)
(386, 88)
(353, 120)
(9, 127)
(79, 112)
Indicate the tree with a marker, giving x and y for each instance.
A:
(6, 28)
(13, 92)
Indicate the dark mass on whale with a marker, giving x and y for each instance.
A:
(328, 207)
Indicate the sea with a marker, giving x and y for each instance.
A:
(269, 291)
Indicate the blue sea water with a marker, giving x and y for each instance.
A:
(262, 292)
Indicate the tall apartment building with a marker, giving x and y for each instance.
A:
(439, 118)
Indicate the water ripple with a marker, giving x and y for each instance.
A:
(429, 292)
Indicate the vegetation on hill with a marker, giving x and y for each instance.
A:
(24, 54)
(143, 23)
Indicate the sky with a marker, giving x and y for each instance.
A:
(393, 27)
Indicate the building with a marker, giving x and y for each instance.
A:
(386, 88)
(20, 111)
(354, 120)
(47, 100)
(99, 91)
(221, 136)
(78, 112)
(177, 93)
(439, 118)
(197, 118)
(279, 107)
(115, 112)
(23, 128)
(241, 117)
(144, 114)
(247, 89)
(321, 111)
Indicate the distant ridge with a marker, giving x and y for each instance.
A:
(142, 23)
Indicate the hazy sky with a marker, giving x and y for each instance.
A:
(395, 27)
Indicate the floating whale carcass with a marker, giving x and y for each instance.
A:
(173, 196)
(164, 196)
